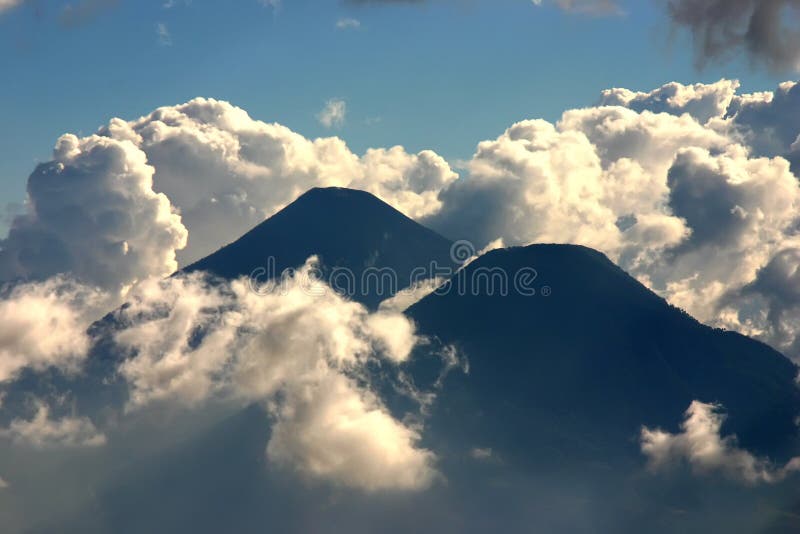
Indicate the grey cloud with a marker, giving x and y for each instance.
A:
(766, 29)
(706, 199)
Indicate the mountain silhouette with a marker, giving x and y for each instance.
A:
(581, 365)
(352, 232)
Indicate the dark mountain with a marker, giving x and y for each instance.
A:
(357, 237)
(577, 372)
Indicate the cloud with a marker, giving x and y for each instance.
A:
(8, 5)
(162, 32)
(767, 121)
(405, 298)
(299, 349)
(45, 325)
(83, 11)
(333, 114)
(334, 431)
(701, 445)
(347, 23)
(766, 30)
(226, 172)
(589, 7)
(701, 101)
(92, 213)
(480, 454)
(43, 432)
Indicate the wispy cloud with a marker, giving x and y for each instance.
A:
(347, 23)
(169, 4)
(333, 114)
(274, 4)
(162, 32)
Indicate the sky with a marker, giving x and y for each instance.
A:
(440, 75)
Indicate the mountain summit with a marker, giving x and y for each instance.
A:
(352, 231)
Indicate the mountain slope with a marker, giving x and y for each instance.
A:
(347, 229)
(582, 369)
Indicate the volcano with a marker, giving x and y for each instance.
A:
(367, 249)
(584, 355)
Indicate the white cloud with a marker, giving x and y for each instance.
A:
(481, 454)
(334, 431)
(45, 324)
(294, 347)
(163, 35)
(405, 298)
(348, 24)
(333, 114)
(701, 101)
(43, 432)
(92, 213)
(227, 172)
(706, 451)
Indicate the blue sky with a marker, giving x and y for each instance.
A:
(443, 75)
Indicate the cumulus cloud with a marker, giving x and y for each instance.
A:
(297, 347)
(92, 213)
(702, 447)
(701, 101)
(226, 172)
(334, 431)
(333, 114)
(44, 432)
(45, 325)
(767, 30)
(767, 121)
